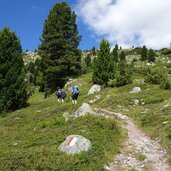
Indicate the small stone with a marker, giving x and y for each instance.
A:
(66, 116)
(136, 101)
(106, 167)
(38, 111)
(165, 122)
(108, 96)
(125, 110)
(167, 105)
(135, 90)
(96, 98)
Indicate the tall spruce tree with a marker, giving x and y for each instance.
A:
(124, 74)
(144, 53)
(59, 52)
(151, 56)
(122, 57)
(93, 51)
(13, 93)
(101, 68)
(115, 53)
(88, 60)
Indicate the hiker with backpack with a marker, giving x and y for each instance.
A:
(75, 93)
(60, 93)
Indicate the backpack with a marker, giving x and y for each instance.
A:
(58, 92)
(63, 94)
(75, 90)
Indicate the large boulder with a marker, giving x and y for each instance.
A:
(136, 90)
(74, 144)
(83, 110)
(94, 88)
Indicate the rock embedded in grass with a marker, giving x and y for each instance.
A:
(95, 88)
(135, 90)
(75, 144)
(83, 110)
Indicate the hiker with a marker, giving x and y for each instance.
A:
(60, 94)
(75, 93)
(63, 95)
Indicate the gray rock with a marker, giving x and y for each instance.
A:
(136, 90)
(82, 110)
(165, 122)
(15, 144)
(150, 64)
(96, 98)
(66, 116)
(136, 101)
(167, 105)
(94, 88)
(106, 167)
(74, 144)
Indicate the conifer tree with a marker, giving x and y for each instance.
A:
(144, 53)
(93, 51)
(151, 56)
(124, 74)
(13, 93)
(101, 68)
(88, 60)
(58, 49)
(116, 47)
(114, 54)
(122, 56)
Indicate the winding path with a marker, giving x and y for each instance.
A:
(139, 152)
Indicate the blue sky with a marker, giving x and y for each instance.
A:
(26, 18)
(125, 22)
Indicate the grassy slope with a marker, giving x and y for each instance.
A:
(151, 114)
(30, 137)
(41, 127)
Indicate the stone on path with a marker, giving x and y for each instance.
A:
(74, 144)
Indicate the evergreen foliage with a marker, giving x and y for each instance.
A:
(93, 51)
(101, 67)
(116, 47)
(60, 39)
(122, 57)
(144, 53)
(124, 74)
(111, 69)
(13, 93)
(115, 54)
(88, 61)
(151, 55)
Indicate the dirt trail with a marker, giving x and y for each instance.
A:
(139, 152)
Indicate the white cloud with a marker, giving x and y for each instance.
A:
(129, 22)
